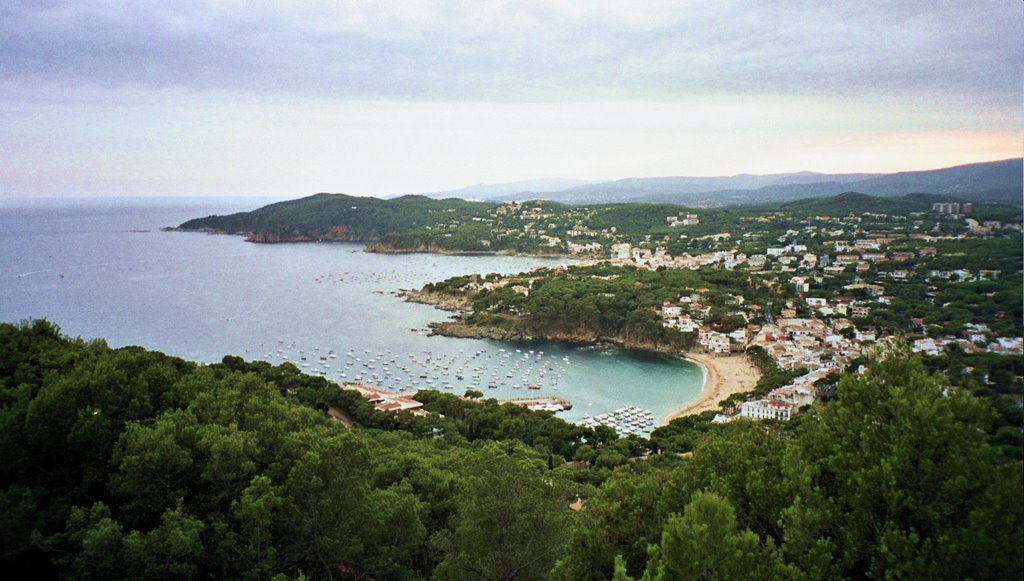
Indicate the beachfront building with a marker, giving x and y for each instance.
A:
(388, 401)
(764, 409)
(714, 341)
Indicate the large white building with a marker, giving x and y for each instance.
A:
(763, 409)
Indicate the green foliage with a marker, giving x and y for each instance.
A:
(706, 543)
(340, 217)
(890, 472)
(130, 464)
(511, 520)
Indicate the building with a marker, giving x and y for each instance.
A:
(388, 401)
(763, 409)
(714, 341)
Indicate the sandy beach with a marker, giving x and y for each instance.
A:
(723, 376)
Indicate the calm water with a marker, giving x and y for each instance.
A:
(104, 269)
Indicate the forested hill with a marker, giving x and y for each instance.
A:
(858, 203)
(420, 224)
(339, 217)
(128, 463)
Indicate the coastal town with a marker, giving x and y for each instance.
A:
(839, 286)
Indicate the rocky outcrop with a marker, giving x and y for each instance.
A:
(443, 301)
(386, 248)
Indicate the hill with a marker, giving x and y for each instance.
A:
(990, 182)
(668, 189)
(338, 217)
(487, 191)
(857, 203)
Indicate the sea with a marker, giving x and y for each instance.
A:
(104, 268)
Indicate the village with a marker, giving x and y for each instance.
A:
(833, 271)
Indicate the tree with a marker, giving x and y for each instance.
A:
(511, 517)
(705, 543)
(889, 473)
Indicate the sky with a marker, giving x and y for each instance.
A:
(279, 98)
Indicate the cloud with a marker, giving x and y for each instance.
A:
(201, 145)
(278, 97)
(535, 50)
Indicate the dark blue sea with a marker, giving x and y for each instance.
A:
(102, 268)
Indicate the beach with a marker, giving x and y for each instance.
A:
(723, 376)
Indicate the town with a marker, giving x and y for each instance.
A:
(822, 289)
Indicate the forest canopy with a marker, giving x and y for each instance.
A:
(128, 463)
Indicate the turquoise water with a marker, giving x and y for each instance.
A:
(104, 269)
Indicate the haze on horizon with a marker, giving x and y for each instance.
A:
(103, 98)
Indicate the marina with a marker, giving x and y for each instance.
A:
(482, 369)
(624, 420)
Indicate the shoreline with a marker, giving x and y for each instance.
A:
(724, 376)
(373, 247)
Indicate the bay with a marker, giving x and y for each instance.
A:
(102, 268)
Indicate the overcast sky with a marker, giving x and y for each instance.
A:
(280, 98)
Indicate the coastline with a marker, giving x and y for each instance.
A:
(375, 247)
(723, 377)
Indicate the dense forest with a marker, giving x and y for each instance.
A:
(339, 217)
(606, 302)
(128, 463)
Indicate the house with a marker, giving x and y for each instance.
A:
(763, 409)
(927, 346)
(714, 341)
(670, 310)
(739, 335)
(800, 395)
(388, 401)
(685, 324)
(1006, 345)
(976, 337)
(866, 334)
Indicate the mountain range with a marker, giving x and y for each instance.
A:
(993, 182)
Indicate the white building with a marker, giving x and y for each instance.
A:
(763, 409)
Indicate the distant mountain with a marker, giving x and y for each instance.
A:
(486, 191)
(634, 189)
(997, 181)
